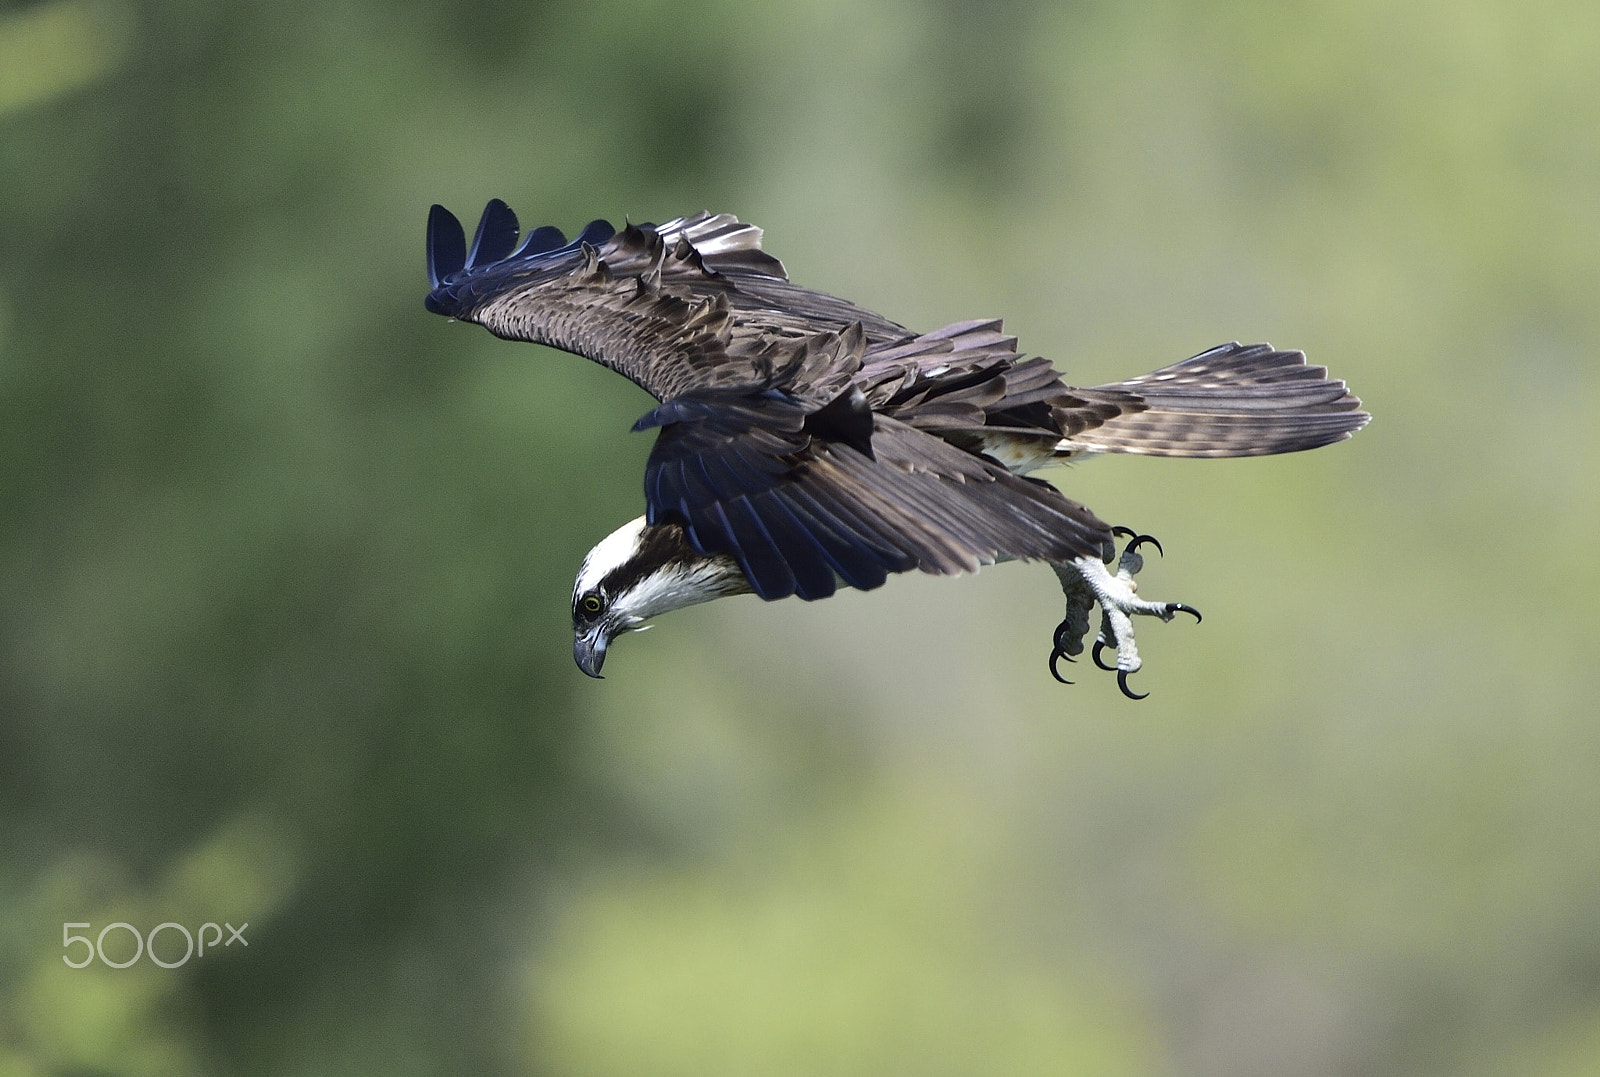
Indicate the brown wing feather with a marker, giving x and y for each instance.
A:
(688, 305)
(991, 513)
(748, 475)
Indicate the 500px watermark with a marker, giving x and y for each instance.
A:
(146, 944)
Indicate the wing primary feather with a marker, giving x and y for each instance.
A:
(856, 564)
(496, 235)
(541, 240)
(731, 475)
(693, 482)
(864, 534)
(957, 525)
(656, 494)
(447, 245)
(595, 233)
(764, 566)
(748, 473)
(806, 559)
(705, 532)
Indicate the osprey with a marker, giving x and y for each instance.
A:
(803, 441)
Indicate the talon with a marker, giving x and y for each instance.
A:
(1061, 629)
(1139, 540)
(1122, 683)
(1135, 540)
(1055, 656)
(1179, 607)
(1100, 645)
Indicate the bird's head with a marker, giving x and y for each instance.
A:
(638, 572)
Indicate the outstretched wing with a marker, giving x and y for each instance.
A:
(800, 499)
(688, 305)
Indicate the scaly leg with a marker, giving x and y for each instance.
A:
(1086, 581)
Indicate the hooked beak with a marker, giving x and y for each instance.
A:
(589, 651)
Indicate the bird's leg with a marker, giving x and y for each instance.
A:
(1075, 625)
(1089, 580)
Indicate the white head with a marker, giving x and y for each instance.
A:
(638, 572)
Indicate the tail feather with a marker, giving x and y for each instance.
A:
(1234, 400)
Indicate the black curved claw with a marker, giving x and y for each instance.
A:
(1122, 683)
(1100, 645)
(1135, 540)
(1139, 540)
(1055, 656)
(1062, 629)
(1179, 607)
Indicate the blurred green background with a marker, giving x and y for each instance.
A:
(285, 561)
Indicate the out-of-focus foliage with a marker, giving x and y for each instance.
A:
(284, 560)
(47, 50)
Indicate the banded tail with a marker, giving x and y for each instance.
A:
(1234, 400)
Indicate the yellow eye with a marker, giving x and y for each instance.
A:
(591, 604)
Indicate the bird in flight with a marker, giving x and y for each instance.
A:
(803, 441)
